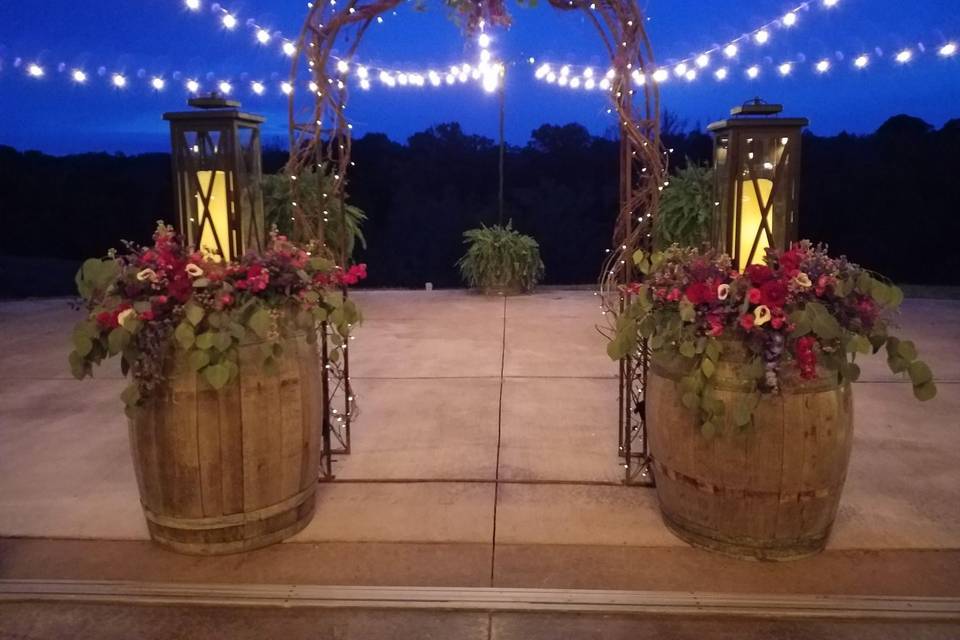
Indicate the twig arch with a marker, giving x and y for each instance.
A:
(320, 144)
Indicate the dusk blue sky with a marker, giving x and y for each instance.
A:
(161, 37)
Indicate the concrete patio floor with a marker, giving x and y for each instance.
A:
(484, 455)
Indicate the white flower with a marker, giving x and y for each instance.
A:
(125, 315)
(803, 280)
(761, 315)
(147, 274)
(194, 271)
(723, 291)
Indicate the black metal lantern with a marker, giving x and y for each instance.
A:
(756, 160)
(217, 174)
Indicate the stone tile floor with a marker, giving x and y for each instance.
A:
(483, 421)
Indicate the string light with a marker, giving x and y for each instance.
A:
(948, 50)
(257, 88)
(119, 80)
(225, 87)
(158, 83)
(286, 88)
(785, 69)
(861, 61)
(193, 5)
(731, 50)
(192, 86)
(229, 21)
(753, 72)
(289, 48)
(830, 3)
(263, 36)
(789, 19)
(904, 56)
(823, 66)
(34, 70)
(762, 36)
(720, 74)
(79, 76)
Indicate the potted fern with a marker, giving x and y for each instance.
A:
(500, 260)
(686, 206)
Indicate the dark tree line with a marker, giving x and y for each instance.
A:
(888, 200)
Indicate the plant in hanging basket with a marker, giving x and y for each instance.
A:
(226, 400)
(501, 260)
(748, 404)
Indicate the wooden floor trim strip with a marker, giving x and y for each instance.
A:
(483, 599)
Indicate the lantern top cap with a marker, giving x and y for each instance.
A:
(213, 101)
(214, 107)
(756, 107)
(758, 114)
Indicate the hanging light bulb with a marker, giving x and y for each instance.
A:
(680, 69)
(731, 50)
(753, 72)
(720, 74)
(542, 71)
(575, 83)
(193, 5)
(263, 36)
(484, 40)
(589, 84)
(830, 3)
(660, 75)
(192, 86)
(638, 77)
(362, 73)
(762, 36)
(79, 76)
(225, 87)
(948, 49)
(286, 88)
(257, 88)
(158, 83)
(119, 80)
(703, 60)
(343, 66)
(785, 69)
(34, 70)
(789, 19)
(229, 20)
(434, 78)
(691, 75)
(904, 56)
(365, 84)
(861, 61)
(313, 86)
(823, 66)
(289, 48)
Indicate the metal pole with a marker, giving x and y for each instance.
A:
(503, 144)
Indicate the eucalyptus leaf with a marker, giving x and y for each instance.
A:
(925, 391)
(217, 375)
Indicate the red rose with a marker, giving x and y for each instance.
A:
(773, 294)
(698, 293)
(777, 322)
(108, 320)
(158, 300)
(790, 260)
(746, 321)
(755, 296)
(716, 325)
(759, 274)
(674, 295)
(147, 315)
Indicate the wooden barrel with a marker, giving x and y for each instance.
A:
(236, 469)
(769, 491)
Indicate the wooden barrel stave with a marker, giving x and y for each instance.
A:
(770, 491)
(231, 470)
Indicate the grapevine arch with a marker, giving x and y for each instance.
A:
(320, 148)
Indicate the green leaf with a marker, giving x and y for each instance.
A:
(131, 395)
(688, 349)
(897, 364)
(920, 373)
(205, 340)
(687, 311)
(742, 414)
(925, 391)
(639, 256)
(708, 429)
(708, 367)
(260, 323)
(184, 335)
(850, 372)
(198, 359)
(860, 344)
(194, 313)
(713, 349)
(907, 350)
(117, 341)
(222, 340)
(217, 375)
(82, 344)
(77, 365)
(690, 400)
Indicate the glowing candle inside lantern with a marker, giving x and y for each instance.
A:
(750, 222)
(218, 224)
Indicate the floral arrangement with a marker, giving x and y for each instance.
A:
(150, 302)
(802, 315)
